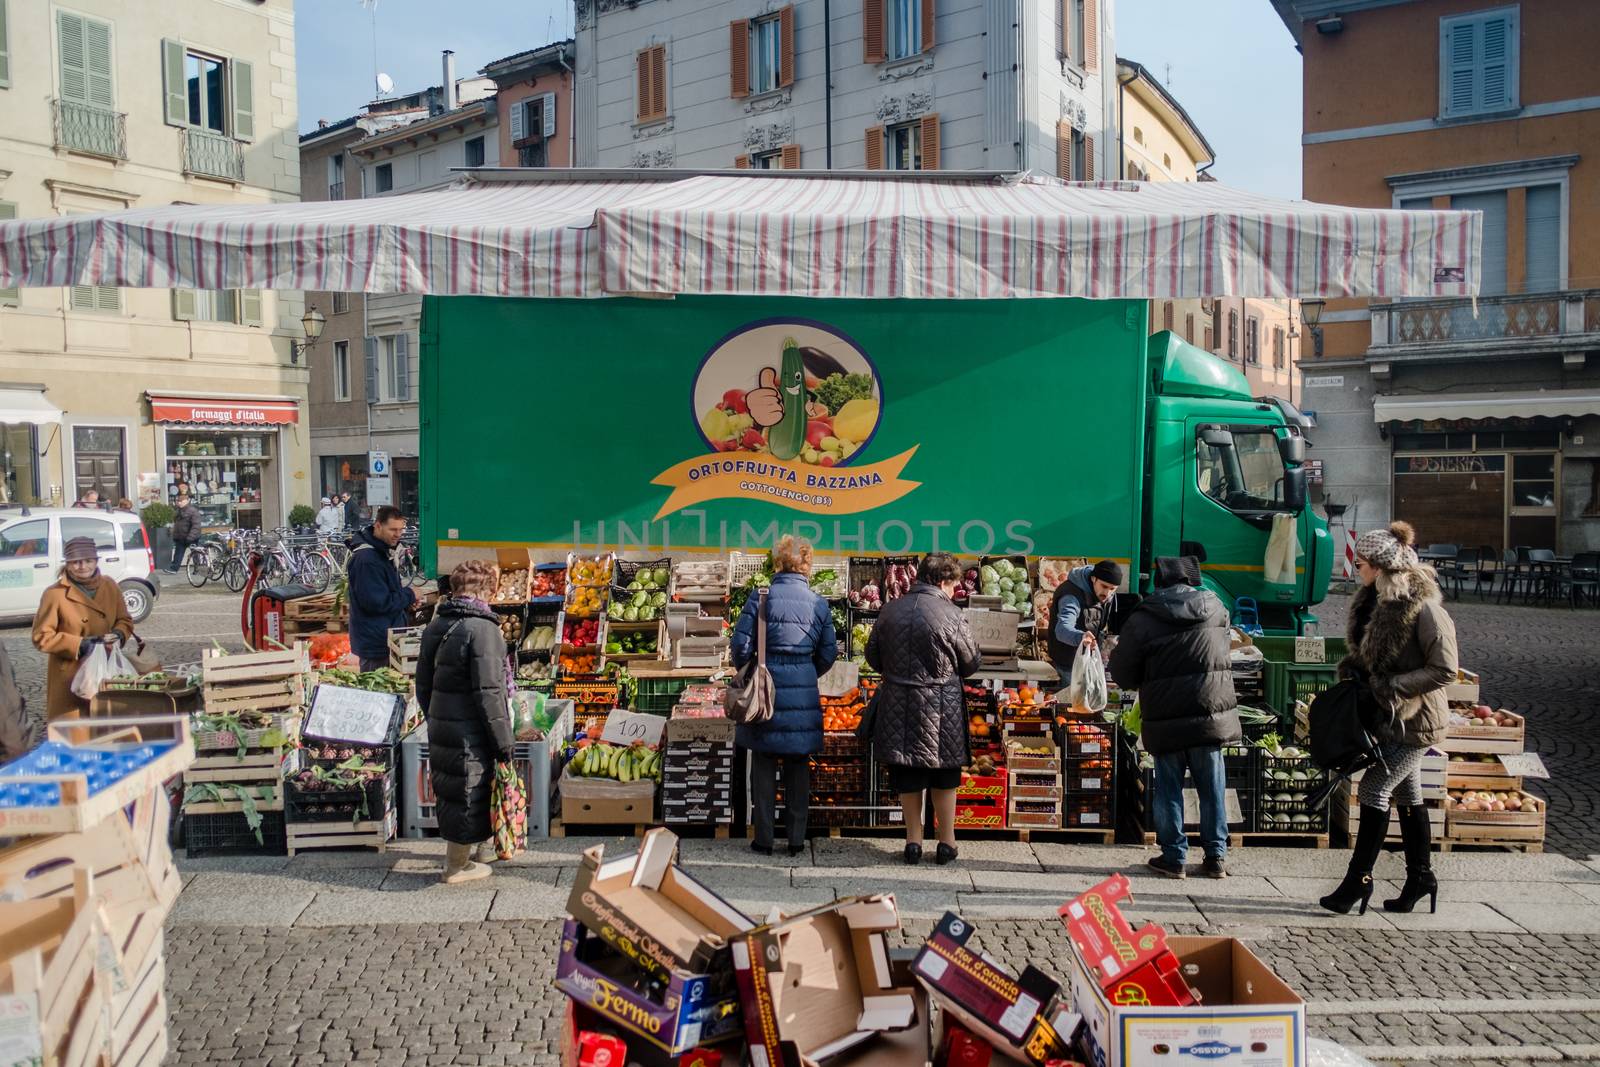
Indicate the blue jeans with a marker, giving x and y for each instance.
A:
(1166, 807)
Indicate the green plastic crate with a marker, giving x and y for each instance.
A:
(1286, 682)
(658, 695)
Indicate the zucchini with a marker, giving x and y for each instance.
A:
(788, 437)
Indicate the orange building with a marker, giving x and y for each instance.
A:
(1477, 421)
(534, 95)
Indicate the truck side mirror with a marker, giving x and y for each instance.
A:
(1292, 448)
(1294, 489)
(1216, 437)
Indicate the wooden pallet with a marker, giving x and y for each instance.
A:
(375, 833)
(1451, 844)
(1268, 839)
(599, 829)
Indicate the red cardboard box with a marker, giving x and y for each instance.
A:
(1130, 966)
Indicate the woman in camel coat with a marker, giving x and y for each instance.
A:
(83, 607)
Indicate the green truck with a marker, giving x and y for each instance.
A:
(1047, 428)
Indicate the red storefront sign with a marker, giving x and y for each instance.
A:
(224, 412)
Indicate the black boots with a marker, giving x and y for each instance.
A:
(1357, 885)
(1415, 834)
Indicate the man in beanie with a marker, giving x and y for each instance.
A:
(1174, 651)
(1081, 612)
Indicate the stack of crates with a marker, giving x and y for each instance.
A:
(656, 695)
(697, 772)
(1240, 784)
(1287, 681)
(1286, 783)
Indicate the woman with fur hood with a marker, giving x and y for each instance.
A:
(1403, 645)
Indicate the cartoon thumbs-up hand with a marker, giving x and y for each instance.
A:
(764, 401)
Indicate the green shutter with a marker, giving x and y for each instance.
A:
(107, 298)
(175, 89)
(74, 77)
(11, 297)
(244, 115)
(249, 305)
(97, 62)
(5, 50)
(1497, 46)
(184, 307)
(402, 367)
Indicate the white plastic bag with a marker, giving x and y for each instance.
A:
(100, 664)
(1088, 687)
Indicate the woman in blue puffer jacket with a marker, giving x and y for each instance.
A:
(801, 646)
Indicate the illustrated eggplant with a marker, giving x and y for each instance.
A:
(819, 364)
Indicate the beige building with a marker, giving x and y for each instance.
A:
(114, 104)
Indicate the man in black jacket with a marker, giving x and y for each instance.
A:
(378, 598)
(186, 527)
(1174, 651)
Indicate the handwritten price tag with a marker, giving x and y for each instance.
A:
(625, 727)
(1310, 650)
(1524, 765)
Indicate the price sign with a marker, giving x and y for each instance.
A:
(1310, 650)
(842, 677)
(1524, 765)
(624, 727)
(358, 716)
(995, 631)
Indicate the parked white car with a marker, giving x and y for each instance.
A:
(31, 540)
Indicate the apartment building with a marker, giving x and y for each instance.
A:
(1476, 421)
(533, 93)
(114, 104)
(853, 84)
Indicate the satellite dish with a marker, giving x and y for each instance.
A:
(385, 83)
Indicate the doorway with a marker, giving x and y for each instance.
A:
(99, 460)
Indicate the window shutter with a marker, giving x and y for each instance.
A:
(1166, 315)
(874, 147)
(1088, 158)
(1064, 13)
(872, 30)
(241, 75)
(741, 162)
(82, 297)
(1493, 263)
(658, 80)
(930, 142)
(739, 58)
(10, 296)
(371, 345)
(1495, 85)
(549, 109)
(107, 298)
(1063, 150)
(97, 62)
(641, 69)
(518, 120)
(402, 366)
(1091, 34)
(1461, 68)
(1188, 328)
(74, 75)
(786, 46)
(789, 157)
(249, 307)
(5, 50)
(928, 19)
(1543, 239)
(184, 305)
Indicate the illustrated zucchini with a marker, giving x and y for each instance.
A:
(788, 437)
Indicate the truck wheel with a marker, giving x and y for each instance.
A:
(136, 595)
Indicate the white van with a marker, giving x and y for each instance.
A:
(31, 540)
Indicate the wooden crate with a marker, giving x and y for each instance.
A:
(700, 581)
(251, 767)
(375, 833)
(208, 743)
(261, 681)
(138, 1008)
(79, 809)
(1486, 739)
(1497, 827)
(267, 796)
(50, 947)
(405, 648)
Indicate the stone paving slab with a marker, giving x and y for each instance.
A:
(531, 902)
(952, 878)
(1541, 918)
(1461, 915)
(1259, 913)
(435, 904)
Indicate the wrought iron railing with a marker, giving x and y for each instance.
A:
(212, 154)
(1511, 317)
(336, 191)
(95, 131)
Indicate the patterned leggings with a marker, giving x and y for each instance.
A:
(1403, 783)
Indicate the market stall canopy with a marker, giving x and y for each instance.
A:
(19, 406)
(1551, 403)
(818, 234)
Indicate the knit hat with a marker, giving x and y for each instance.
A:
(1389, 550)
(1177, 570)
(1108, 571)
(79, 548)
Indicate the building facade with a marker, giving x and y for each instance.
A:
(850, 84)
(112, 105)
(533, 94)
(1476, 421)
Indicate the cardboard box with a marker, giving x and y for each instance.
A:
(690, 1010)
(714, 731)
(1014, 1014)
(1129, 966)
(652, 911)
(1246, 1017)
(602, 800)
(819, 983)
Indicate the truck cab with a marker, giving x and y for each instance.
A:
(1221, 469)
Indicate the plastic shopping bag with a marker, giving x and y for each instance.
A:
(508, 812)
(1088, 687)
(100, 665)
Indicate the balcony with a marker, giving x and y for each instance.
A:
(336, 191)
(94, 131)
(1563, 323)
(212, 155)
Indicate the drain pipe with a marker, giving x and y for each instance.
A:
(572, 107)
(827, 80)
(1122, 92)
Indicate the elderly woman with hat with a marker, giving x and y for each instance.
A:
(1403, 646)
(83, 607)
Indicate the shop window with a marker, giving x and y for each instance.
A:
(341, 370)
(24, 540)
(1530, 439)
(102, 531)
(18, 464)
(1533, 481)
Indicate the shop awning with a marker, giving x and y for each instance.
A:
(819, 234)
(224, 411)
(27, 405)
(1552, 403)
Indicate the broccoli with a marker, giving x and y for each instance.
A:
(836, 390)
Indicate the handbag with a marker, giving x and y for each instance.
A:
(751, 695)
(1341, 731)
(508, 812)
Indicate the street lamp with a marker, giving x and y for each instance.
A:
(1311, 315)
(311, 322)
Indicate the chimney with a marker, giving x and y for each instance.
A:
(322, 124)
(449, 80)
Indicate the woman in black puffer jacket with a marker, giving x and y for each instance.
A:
(461, 686)
(923, 647)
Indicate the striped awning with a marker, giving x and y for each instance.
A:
(589, 234)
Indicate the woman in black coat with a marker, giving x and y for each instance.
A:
(923, 647)
(461, 686)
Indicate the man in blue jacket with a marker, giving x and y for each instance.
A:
(379, 600)
(1081, 613)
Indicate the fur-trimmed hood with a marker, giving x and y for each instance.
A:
(1394, 602)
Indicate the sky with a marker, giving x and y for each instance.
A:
(1230, 63)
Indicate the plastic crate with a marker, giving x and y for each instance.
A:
(657, 695)
(1246, 796)
(536, 761)
(373, 799)
(1284, 681)
(228, 834)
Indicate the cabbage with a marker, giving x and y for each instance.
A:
(988, 575)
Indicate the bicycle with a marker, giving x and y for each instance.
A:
(205, 559)
(236, 564)
(408, 562)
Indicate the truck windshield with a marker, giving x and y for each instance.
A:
(1247, 477)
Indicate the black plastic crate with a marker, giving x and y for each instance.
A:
(1290, 774)
(228, 834)
(1246, 796)
(311, 754)
(1240, 767)
(372, 801)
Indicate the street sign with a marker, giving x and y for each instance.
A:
(378, 464)
(380, 491)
